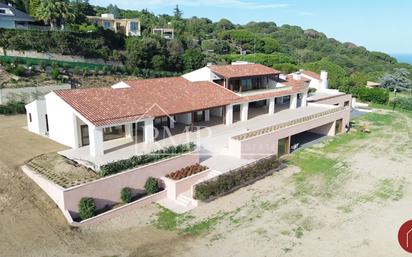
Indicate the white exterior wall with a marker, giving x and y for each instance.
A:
(229, 114)
(37, 111)
(203, 74)
(62, 121)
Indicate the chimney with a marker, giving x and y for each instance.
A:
(323, 80)
(296, 76)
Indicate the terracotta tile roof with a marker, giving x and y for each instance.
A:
(243, 70)
(293, 87)
(145, 98)
(311, 74)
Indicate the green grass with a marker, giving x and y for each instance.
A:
(203, 226)
(166, 219)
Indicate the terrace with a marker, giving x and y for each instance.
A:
(212, 137)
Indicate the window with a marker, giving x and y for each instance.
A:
(47, 123)
(2, 11)
(346, 104)
(106, 24)
(133, 26)
(30, 117)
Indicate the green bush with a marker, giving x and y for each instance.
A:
(126, 195)
(151, 186)
(87, 208)
(372, 95)
(225, 183)
(55, 73)
(403, 102)
(13, 108)
(139, 160)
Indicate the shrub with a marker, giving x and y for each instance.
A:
(403, 102)
(186, 172)
(372, 95)
(13, 108)
(136, 161)
(227, 182)
(55, 73)
(126, 195)
(151, 186)
(87, 208)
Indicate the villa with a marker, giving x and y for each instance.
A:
(11, 18)
(235, 114)
(127, 27)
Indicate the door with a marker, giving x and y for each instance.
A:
(84, 131)
(283, 146)
(338, 127)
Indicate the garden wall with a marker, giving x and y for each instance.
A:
(177, 187)
(106, 191)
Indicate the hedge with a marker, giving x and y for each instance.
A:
(225, 183)
(139, 160)
(13, 108)
(87, 208)
(372, 95)
(403, 102)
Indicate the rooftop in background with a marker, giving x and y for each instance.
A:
(311, 74)
(145, 98)
(243, 70)
(12, 14)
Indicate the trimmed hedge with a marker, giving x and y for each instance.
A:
(139, 160)
(372, 95)
(87, 208)
(126, 195)
(151, 186)
(227, 182)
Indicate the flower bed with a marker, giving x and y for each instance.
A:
(136, 161)
(186, 172)
(229, 182)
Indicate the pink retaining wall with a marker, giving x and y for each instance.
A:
(106, 191)
(54, 191)
(267, 144)
(116, 212)
(175, 188)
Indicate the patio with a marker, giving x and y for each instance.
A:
(211, 137)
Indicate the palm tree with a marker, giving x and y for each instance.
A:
(54, 12)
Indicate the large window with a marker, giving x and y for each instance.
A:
(246, 84)
(107, 25)
(134, 26)
(113, 133)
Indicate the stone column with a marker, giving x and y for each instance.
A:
(148, 131)
(244, 111)
(293, 101)
(272, 104)
(207, 115)
(229, 114)
(128, 130)
(304, 99)
(96, 141)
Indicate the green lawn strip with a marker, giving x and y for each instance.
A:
(385, 190)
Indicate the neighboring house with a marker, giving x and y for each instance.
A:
(226, 94)
(11, 18)
(128, 27)
(164, 32)
(371, 84)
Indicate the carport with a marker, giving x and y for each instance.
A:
(306, 139)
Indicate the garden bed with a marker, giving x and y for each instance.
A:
(61, 171)
(186, 172)
(233, 180)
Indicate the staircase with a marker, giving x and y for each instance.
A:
(213, 173)
(184, 200)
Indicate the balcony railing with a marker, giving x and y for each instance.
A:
(286, 124)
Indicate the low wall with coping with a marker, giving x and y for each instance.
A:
(267, 144)
(106, 191)
(177, 187)
(116, 212)
(336, 100)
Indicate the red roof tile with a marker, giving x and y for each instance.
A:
(243, 70)
(145, 98)
(311, 74)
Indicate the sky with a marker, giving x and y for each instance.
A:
(379, 25)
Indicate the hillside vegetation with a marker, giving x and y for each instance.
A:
(199, 41)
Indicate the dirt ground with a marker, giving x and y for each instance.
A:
(348, 197)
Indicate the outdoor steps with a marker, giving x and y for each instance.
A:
(213, 173)
(185, 199)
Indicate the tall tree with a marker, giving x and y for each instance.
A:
(113, 9)
(55, 13)
(398, 81)
(177, 13)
